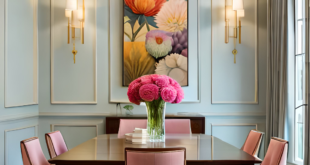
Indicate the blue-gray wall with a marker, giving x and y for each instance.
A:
(18, 78)
(238, 118)
(234, 120)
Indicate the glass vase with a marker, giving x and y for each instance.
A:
(156, 120)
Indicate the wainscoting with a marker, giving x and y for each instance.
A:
(11, 133)
(80, 133)
(235, 129)
(75, 130)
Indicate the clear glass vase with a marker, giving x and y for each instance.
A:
(156, 120)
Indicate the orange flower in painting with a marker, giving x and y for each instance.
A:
(145, 7)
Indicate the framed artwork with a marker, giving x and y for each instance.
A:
(155, 39)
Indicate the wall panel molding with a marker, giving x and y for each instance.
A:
(242, 124)
(230, 56)
(74, 125)
(6, 146)
(234, 134)
(7, 118)
(94, 56)
(117, 93)
(8, 96)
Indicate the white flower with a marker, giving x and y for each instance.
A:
(158, 43)
(174, 66)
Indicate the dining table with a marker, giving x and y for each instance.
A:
(201, 149)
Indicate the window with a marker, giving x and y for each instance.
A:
(299, 80)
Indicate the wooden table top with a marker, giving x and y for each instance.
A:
(200, 148)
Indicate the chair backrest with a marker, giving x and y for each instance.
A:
(155, 156)
(178, 126)
(253, 142)
(56, 144)
(128, 125)
(276, 153)
(32, 153)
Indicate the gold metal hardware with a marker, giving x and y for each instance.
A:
(74, 52)
(234, 52)
(232, 15)
(72, 25)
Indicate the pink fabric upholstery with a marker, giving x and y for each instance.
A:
(276, 153)
(32, 153)
(128, 125)
(178, 126)
(284, 156)
(155, 158)
(252, 143)
(56, 143)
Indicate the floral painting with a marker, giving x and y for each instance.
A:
(155, 39)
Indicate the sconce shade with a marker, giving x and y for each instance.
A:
(240, 13)
(237, 4)
(80, 13)
(71, 5)
(68, 13)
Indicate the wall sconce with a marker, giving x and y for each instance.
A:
(233, 12)
(76, 19)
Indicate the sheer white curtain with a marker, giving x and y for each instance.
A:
(307, 114)
(276, 108)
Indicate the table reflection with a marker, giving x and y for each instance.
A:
(198, 146)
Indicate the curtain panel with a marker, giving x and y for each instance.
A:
(307, 114)
(276, 103)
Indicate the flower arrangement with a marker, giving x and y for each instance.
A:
(155, 90)
(153, 87)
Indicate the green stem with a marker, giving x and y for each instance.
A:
(147, 25)
(136, 33)
(156, 115)
(128, 35)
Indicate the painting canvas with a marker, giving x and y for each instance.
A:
(155, 39)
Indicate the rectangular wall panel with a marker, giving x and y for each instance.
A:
(73, 83)
(76, 134)
(118, 93)
(12, 143)
(21, 73)
(234, 134)
(234, 83)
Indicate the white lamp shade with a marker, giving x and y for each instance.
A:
(237, 4)
(71, 5)
(80, 13)
(240, 13)
(68, 13)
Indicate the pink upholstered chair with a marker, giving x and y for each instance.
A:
(155, 156)
(32, 153)
(56, 144)
(178, 126)
(276, 153)
(128, 125)
(253, 142)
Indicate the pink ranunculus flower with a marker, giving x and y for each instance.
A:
(146, 80)
(180, 96)
(162, 81)
(133, 92)
(154, 76)
(153, 87)
(169, 94)
(173, 82)
(149, 92)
